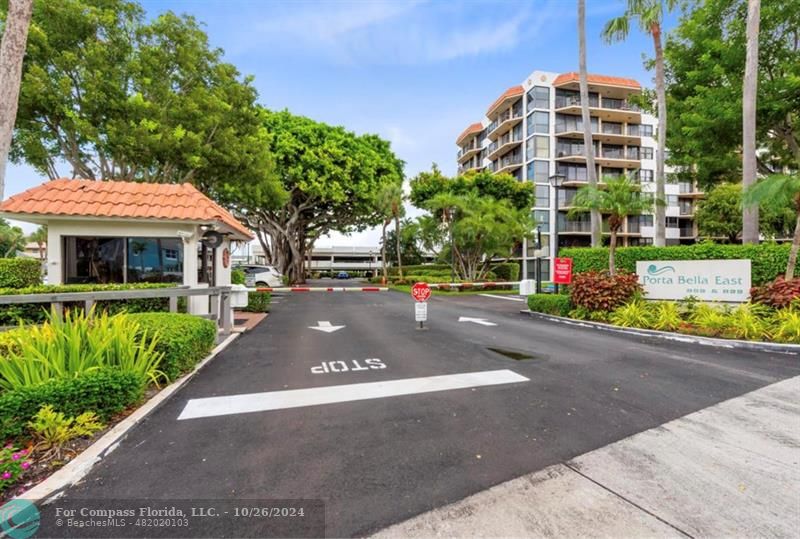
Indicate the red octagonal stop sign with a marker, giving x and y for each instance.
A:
(421, 291)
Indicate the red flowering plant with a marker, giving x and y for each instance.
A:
(779, 294)
(13, 463)
(600, 291)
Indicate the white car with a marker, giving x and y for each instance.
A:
(255, 276)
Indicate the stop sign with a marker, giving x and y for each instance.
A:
(421, 291)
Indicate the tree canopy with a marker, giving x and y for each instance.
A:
(719, 214)
(331, 177)
(116, 96)
(705, 66)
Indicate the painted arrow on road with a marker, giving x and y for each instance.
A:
(324, 325)
(481, 321)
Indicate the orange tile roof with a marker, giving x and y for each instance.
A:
(597, 79)
(89, 198)
(471, 130)
(511, 92)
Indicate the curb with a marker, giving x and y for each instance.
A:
(730, 344)
(76, 469)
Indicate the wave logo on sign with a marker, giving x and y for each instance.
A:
(19, 519)
(652, 269)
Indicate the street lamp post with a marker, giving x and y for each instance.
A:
(556, 180)
(451, 214)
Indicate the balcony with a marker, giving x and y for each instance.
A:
(605, 133)
(614, 110)
(508, 163)
(686, 209)
(688, 190)
(504, 123)
(503, 145)
(469, 151)
(686, 232)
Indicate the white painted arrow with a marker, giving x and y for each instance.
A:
(324, 325)
(481, 321)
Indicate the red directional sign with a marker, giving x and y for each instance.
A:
(421, 291)
(562, 270)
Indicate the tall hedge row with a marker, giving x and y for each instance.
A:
(768, 260)
(20, 272)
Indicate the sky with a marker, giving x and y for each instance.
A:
(415, 72)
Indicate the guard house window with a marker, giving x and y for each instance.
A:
(539, 98)
(154, 260)
(538, 122)
(122, 260)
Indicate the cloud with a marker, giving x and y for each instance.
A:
(412, 32)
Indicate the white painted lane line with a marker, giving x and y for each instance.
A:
(480, 321)
(295, 398)
(501, 297)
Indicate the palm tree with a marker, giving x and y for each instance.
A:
(385, 205)
(778, 190)
(591, 171)
(39, 237)
(618, 198)
(398, 211)
(649, 14)
(12, 51)
(749, 90)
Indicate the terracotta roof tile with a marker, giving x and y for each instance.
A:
(597, 79)
(511, 92)
(471, 130)
(88, 198)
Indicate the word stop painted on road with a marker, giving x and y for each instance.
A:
(421, 291)
(327, 367)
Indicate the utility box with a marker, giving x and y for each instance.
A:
(238, 295)
(527, 287)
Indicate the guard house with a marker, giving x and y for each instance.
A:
(128, 232)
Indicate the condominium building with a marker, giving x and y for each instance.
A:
(534, 131)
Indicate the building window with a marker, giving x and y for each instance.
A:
(645, 175)
(542, 196)
(647, 152)
(645, 220)
(542, 218)
(538, 146)
(538, 171)
(646, 130)
(672, 222)
(539, 98)
(544, 264)
(569, 122)
(538, 122)
(572, 172)
(672, 200)
(155, 260)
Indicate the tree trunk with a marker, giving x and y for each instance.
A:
(793, 251)
(383, 252)
(588, 147)
(397, 244)
(12, 52)
(661, 96)
(749, 98)
(612, 252)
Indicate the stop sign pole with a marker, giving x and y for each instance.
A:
(421, 292)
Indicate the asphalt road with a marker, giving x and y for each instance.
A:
(378, 462)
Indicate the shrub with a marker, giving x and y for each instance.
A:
(37, 312)
(238, 276)
(555, 304)
(787, 326)
(183, 339)
(710, 321)
(52, 430)
(749, 321)
(632, 315)
(13, 463)
(76, 344)
(394, 270)
(9, 340)
(768, 260)
(779, 293)
(599, 291)
(104, 391)
(20, 272)
(507, 272)
(665, 316)
(257, 302)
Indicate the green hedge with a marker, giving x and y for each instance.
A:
(20, 272)
(508, 271)
(238, 276)
(556, 304)
(104, 392)
(415, 269)
(768, 259)
(184, 339)
(257, 302)
(35, 312)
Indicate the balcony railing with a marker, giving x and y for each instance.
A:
(619, 104)
(509, 114)
(686, 232)
(505, 139)
(506, 161)
(632, 153)
(472, 146)
(686, 209)
(613, 154)
(607, 103)
(574, 101)
(574, 226)
(686, 187)
(612, 129)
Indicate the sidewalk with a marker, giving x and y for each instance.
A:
(732, 469)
